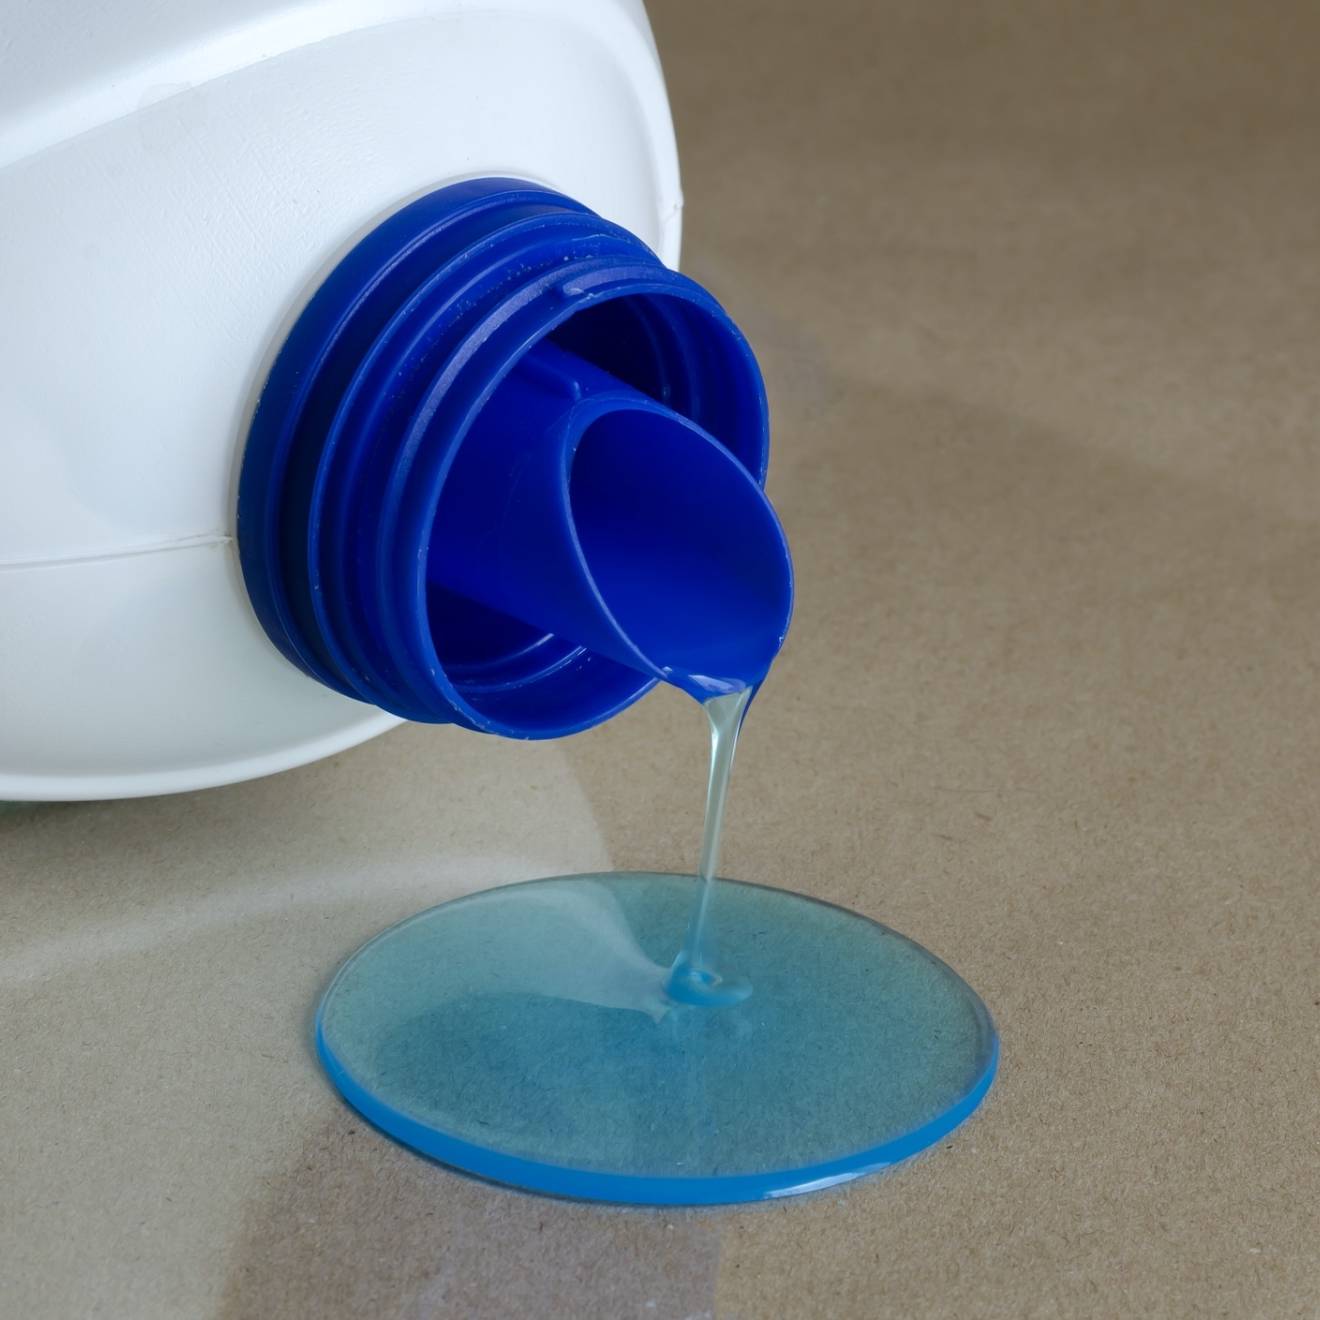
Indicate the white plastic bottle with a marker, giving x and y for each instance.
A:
(174, 183)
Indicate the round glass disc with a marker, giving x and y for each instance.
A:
(524, 1034)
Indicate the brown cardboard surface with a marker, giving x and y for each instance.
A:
(1036, 286)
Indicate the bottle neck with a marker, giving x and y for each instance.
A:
(360, 437)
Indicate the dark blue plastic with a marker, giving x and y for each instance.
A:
(581, 505)
(374, 521)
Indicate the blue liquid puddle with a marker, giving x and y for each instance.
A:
(531, 1035)
(549, 1036)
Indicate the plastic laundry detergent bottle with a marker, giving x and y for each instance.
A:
(345, 379)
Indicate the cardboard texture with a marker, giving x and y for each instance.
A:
(1036, 286)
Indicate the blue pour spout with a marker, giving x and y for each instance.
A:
(507, 472)
(582, 506)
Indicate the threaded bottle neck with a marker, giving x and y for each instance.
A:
(379, 385)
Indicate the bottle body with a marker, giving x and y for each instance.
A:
(168, 215)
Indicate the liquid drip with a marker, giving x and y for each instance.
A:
(546, 1035)
(693, 978)
(538, 1035)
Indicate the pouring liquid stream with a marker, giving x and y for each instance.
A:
(693, 978)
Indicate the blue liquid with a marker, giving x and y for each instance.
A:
(693, 978)
(526, 1034)
(657, 1039)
